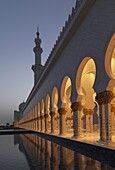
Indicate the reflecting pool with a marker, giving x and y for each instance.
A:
(30, 152)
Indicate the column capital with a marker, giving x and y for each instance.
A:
(57, 117)
(42, 116)
(46, 116)
(52, 113)
(68, 118)
(39, 118)
(89, 111)
(62, 111)
(76, 106)
(104, 97)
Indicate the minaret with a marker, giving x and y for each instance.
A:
(37, 50)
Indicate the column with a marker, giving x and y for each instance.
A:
(62, 112)
(39, 129)
(77, 110)
(42, 123)
(104, 100)
(113, 118)
(36, 124)
(89, 120)
(46, 122)
(52, 113)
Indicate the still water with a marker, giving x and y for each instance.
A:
(30, 152)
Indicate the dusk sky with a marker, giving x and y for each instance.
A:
(18, 24)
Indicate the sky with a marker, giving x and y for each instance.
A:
(19, 20)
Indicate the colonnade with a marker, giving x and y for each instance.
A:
(76, 118)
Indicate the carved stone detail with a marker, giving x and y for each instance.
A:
(76, 106)
(52, 113)
(62, 111)
(39, 118)
(42, 116)
(89, 111)
(46, 116)
(104, 97)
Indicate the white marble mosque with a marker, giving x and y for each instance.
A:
(74, 92)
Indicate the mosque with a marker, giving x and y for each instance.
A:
(74, 92)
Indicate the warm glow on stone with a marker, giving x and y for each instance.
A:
(113, 63)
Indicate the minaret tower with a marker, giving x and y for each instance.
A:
(37, 68)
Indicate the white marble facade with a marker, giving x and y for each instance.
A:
(74, 91)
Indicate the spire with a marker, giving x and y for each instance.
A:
(37, 48)
(37, 29)
(38, 51)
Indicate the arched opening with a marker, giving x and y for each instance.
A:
(48, 117)
(42, 107)
(66, 89)
(42, 115)
(113, 62)
(110, 69)
(55, 108)
(39, 123)
(38, 109)
(36, 116)
(85, 80)
(110, 58)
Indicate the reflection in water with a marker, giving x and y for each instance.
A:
(30, 152)
(42, 154)
(10, 157)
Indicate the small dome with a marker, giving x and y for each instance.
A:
(21, 106)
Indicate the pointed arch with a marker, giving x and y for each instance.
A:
(110, 58)
(110, 65)
(110, 70)
(85, 79)
(47, 102)
(66, 89)
(42, 106)
(54, 98)
(38, 109)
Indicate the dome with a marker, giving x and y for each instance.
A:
(21, 106)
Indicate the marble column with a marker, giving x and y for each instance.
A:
(113, 118)
(46, 122)
(89, 120)
(62, 112)
(39, 124)
(33, 124)
(52, 113)
(104, 101)
(42, 123)
(36, 124)
(77, 110)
